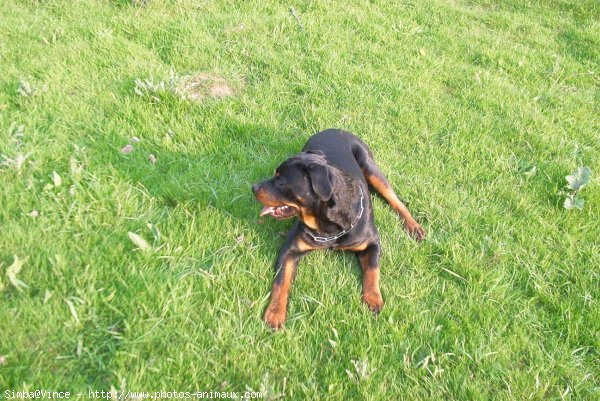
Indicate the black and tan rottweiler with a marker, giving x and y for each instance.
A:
(327, 187)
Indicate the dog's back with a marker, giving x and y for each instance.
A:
(338, 147)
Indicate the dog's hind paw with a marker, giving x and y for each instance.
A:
(415, 230)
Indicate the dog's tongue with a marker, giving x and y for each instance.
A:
(267, 210)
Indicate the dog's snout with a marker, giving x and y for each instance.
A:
(255, 188)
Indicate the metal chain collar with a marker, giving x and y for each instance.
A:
(341, 234)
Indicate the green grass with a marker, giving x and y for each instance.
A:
(457, 99)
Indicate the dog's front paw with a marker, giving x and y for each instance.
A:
(415, 230)
(275, 316)
(374, 301)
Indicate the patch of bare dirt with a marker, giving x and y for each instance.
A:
(204, 86)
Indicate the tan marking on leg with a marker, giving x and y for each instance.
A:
(371, 294)
(388, 193)
(303, 246)
(384, 188)
(277, 310)
(359, 247)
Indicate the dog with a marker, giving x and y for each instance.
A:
(327, 187)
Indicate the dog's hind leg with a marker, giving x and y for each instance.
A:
(377, 180)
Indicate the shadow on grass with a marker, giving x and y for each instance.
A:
(220, 177)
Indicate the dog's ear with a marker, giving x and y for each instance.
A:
(320, 180)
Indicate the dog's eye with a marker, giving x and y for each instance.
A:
(279, 180)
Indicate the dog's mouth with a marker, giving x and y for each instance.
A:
(279, 212)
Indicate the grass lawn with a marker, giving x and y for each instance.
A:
(476, 111)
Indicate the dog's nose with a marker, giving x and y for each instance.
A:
(255, 188)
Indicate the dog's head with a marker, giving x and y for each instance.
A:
(301, 186)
